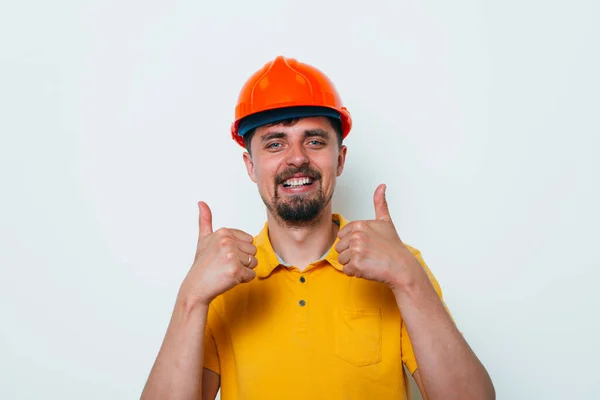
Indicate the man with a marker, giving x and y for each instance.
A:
(314, 306)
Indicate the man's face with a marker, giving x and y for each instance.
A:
(295, 168)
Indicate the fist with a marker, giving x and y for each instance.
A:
(373, 250)
(223, 259)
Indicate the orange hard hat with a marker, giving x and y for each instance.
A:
(285, 88)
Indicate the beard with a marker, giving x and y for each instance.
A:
(301, 209)
(298, 209)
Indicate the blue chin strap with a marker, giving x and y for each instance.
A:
(281, 114)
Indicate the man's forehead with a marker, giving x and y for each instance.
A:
(300, 126)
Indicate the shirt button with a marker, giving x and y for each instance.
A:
(302, 303)
(302, 280)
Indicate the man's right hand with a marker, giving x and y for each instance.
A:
(224, 259)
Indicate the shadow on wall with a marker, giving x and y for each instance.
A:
(346, 200)
(342, 204)
(353, 196)
(414, 389)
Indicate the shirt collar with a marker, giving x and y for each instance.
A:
(268, 259)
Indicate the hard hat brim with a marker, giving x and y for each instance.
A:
(267, 117)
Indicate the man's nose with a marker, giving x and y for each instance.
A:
(296, 155)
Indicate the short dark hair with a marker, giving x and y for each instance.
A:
(335, 122)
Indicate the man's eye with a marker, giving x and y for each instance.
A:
(316, 142)
(273, 145)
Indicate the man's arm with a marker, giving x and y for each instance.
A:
(177, 371)
(211, 381)
(224, 259)
(179, 364)
(448, 368)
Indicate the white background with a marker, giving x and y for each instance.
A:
(481, 117)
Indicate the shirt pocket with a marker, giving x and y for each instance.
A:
(357, 335)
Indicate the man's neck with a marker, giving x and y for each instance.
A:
(300, 246)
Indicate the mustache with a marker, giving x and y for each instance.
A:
(289, 173)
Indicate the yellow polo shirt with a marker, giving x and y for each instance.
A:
(315, 334)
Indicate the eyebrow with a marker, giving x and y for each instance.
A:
(272, 135)
(307, 134)
(317, 133)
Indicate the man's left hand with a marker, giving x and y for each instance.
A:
(373, 250)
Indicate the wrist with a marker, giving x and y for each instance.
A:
(189, 316)
(409, 278)
(190, 303)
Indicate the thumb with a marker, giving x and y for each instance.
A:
(205, 220)
(381, 207)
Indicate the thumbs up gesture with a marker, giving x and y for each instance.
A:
(373, 250)
(223, 259)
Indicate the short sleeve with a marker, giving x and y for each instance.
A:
(211, 355)
(408, 355)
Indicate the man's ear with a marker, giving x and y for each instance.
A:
(341, 159)
(249, 166)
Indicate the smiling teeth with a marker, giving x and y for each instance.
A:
(297, 182)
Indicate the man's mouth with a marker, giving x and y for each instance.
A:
(297, 182)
